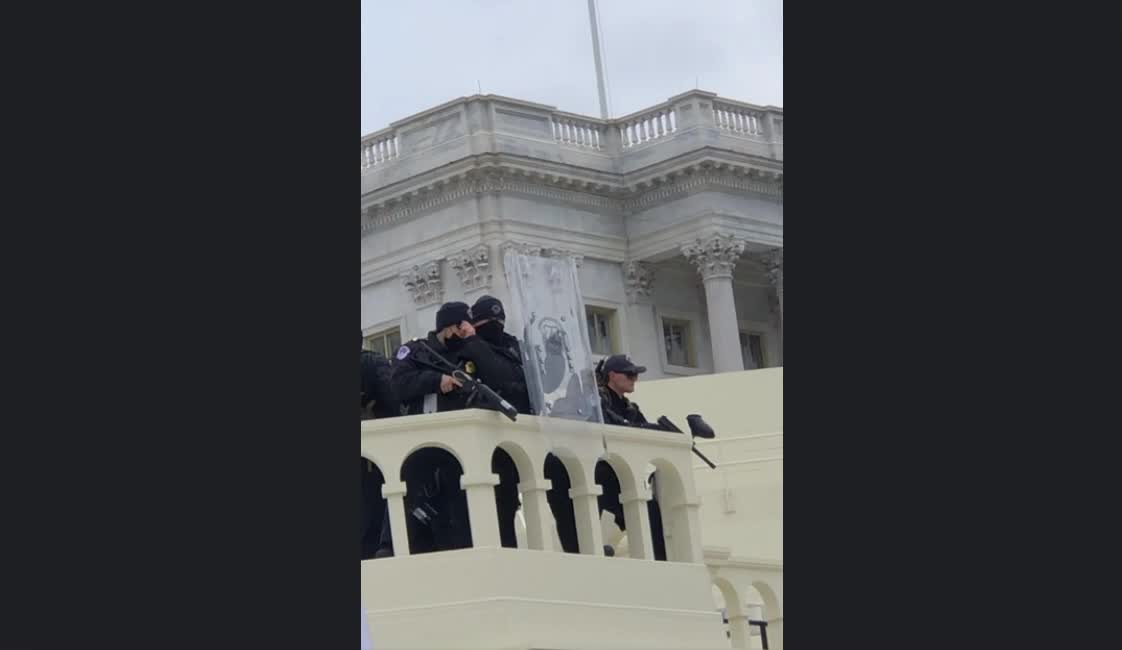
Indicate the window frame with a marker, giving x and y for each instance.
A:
(381, 329)
(769, 339)
(609, 317)
(693, 321)
(749, 333)
(617, 325)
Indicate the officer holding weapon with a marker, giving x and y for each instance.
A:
(616, 377)
(437, 374)
(503, 371)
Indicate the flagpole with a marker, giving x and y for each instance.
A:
(596, 58)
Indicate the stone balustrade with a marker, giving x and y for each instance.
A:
(743, 119)
(494, 124)
(646, 125)
(379, 148)
(474, 436)
(580, 131)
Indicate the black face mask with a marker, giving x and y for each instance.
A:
(453, 343)
(491, 331)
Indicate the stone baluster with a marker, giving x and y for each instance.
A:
(395, 501)
(483, 514)
(638, 520)
(590, 537)
(739, 630)
(686, 539)
(539, 518)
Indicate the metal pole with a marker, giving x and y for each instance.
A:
(596, 57)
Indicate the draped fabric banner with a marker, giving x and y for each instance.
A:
(548, 317)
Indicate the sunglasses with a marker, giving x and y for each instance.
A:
(631, 375)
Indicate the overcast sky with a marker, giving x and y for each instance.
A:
(417, 54)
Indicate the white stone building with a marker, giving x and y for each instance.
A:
(674, 213)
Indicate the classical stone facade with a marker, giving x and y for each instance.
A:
(674, 215)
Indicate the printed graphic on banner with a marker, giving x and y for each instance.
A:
(558, 364)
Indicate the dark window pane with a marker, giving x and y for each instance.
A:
(756, 345)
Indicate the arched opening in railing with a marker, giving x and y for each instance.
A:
(654, 513)
(743, 614)
(561, 504)
(507, 500)
(727, 602)
(436, 511)
(611, 509)
(672, 532)
(769, 611)
(621, 487)
(374, 516)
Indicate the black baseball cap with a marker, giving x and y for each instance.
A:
(621, 363)
(488, 307)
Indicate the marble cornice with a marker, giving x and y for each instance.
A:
(573, 186)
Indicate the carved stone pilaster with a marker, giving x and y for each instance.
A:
(773, 265)
(424, 283)
(638, 280)
(473, 266)
(715, 255)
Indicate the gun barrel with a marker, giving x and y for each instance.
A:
(505, 407)
(703, 457)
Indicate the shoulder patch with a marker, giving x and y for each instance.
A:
(402, 352)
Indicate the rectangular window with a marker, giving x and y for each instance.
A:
(600, 326)
(387, 342)
(752, 350)
(679, 345)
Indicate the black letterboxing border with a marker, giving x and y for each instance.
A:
(190, 409)
(180, 250)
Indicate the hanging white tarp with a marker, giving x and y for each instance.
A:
(547, 313)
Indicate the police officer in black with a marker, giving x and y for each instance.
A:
(617, 376)
(421, 387)
(377, 397)
(436, 507)
(376, 400)
(502, 371)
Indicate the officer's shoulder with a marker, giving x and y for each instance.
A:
(406, 350)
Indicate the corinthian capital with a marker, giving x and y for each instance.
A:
(473, 266)
(423, 283)
(638, 280)
(715, 255)
(773, 263)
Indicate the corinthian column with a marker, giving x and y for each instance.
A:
(715, 257)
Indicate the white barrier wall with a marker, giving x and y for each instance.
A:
(723, 529)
